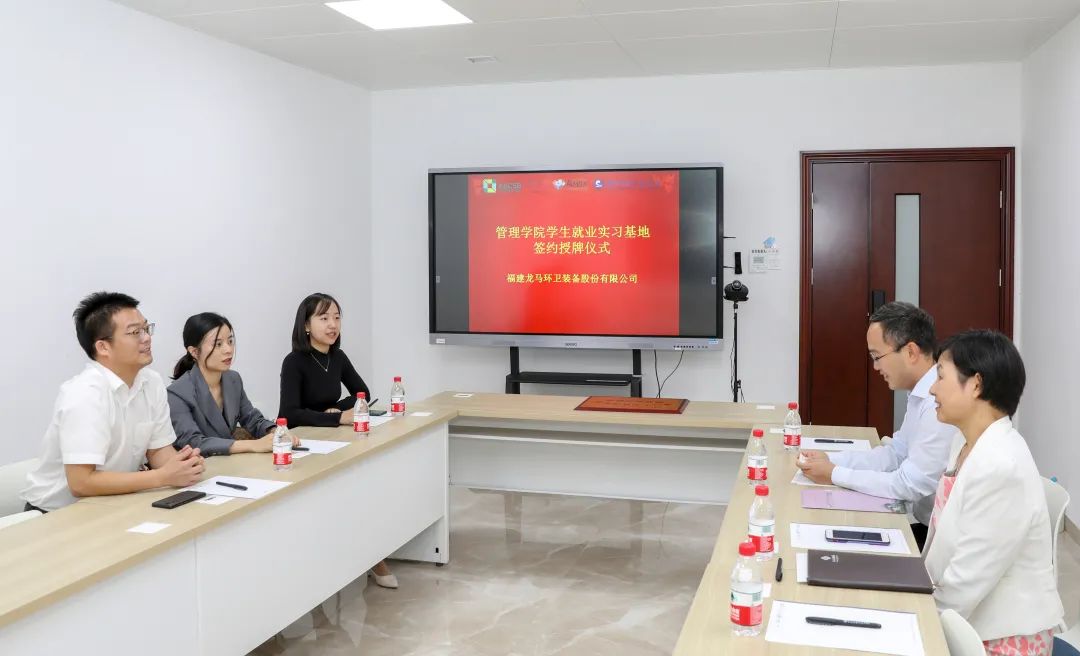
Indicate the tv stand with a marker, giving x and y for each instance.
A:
(516, 376)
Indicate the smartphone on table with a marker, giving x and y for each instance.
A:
(875, 538)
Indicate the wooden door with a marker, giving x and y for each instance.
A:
(963, 261)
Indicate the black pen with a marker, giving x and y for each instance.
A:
(300, 448)
(779, 569)
(829, 440)
(232, 485)
(832, 621)
(373, 402)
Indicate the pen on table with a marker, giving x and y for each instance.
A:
(300, 448)
(827, 440)
(232, 485)
(373, 402)
(779, 569)
(833, 621)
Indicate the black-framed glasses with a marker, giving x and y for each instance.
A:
(875, 358)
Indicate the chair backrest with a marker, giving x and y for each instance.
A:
(12, 481)
(961, 638)
(1057, 500)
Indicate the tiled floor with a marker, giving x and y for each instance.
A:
(533, 575)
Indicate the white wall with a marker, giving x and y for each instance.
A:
(1051, 313)
(190, 173)
(755, 123)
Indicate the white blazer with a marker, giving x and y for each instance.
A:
(989, 554)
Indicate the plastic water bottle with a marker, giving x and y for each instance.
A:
(282, 446)
(397, 398)
(746, 592)
(361, 418)
(757, 458)
(762, 523)
(792, 428)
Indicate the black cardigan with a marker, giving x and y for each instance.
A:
(307, 389)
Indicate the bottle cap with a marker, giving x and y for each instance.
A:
(397, 379)
(793, 406)
(361, 395)
(758, 433)
(281, 421)
(761, 490)
(747, 549)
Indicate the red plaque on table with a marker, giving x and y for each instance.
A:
(633, 404)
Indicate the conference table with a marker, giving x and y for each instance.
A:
(708, 627)
(221, 579)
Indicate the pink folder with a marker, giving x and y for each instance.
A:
(849, 500)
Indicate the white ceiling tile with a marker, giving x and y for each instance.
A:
(736, 52)
(171, 8)
(482, 11)
(583, 60)
(721, 20)
(481, 38)
(939, 44)
(597, 7)
(869, 13)
(247, 26)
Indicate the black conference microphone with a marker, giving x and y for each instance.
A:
(738, 263)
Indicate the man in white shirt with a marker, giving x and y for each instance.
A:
(901, 343)
(111, 417)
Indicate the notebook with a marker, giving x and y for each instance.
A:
(850, 500)
(840, 569)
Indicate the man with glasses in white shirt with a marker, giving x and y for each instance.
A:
(901, 342)
(112, 417)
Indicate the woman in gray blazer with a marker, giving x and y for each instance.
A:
(207, 401)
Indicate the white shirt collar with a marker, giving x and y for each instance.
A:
(922, 388)
(116, 383)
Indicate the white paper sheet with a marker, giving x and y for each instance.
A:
(420, 414)
(320, 446)
(766, 407)
(899, 633)
(215, 500)
(813, 443)
(256, 487)
(800, 566)
(801, 479)
(812, 536)
(148, 527)
(462, 396)
(379, 421)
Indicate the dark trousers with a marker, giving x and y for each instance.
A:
(920, 531)
(28, 508)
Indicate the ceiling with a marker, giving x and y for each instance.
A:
(570, 39)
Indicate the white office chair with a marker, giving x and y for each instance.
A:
(961, 638)
(1057, 500)
(12, 481)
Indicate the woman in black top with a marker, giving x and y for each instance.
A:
(312, 375)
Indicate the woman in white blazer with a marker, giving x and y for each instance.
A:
(989, 546)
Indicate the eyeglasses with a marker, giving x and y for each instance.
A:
(875, 358)
(137, 333)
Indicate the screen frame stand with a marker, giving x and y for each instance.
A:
(516, 377)
(736, 386)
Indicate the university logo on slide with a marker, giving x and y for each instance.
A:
(559, 184)
(489, 185)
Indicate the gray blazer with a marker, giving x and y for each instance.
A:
(199, 422)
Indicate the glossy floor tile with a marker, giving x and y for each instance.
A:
(533, 575)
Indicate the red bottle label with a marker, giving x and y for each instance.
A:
(284, 458)
(397, 407)
(757, 473)
(792, 439)
(361, 426)
(745, 608)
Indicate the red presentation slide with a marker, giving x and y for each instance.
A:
(574, 253)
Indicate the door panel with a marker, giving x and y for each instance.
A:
(839, 295)
(959, 250)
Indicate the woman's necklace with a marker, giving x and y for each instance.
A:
(327, 367)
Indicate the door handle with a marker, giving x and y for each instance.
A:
(877, 299)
